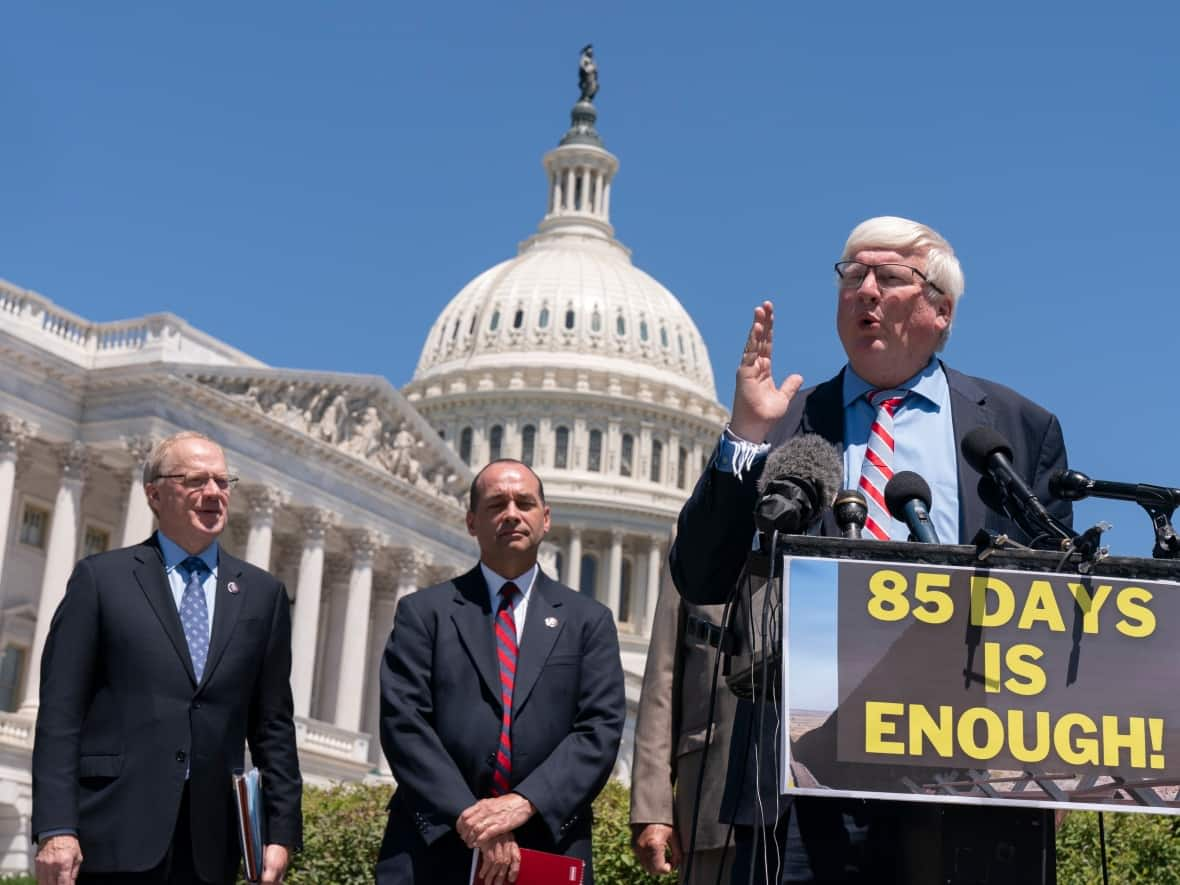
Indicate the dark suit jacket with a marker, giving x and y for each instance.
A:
(441, 718)
(717, 523)
(716, 527)
(122, 716)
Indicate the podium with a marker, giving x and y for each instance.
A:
(974, 691)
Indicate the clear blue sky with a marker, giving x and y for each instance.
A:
(312, 182)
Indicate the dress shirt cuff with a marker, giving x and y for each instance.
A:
(60, 831)
(736, 455)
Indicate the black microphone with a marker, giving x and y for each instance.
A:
(798, 481)
(907, 496)
(1073, 485)
(851, 511)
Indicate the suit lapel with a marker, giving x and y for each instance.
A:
(968, 411)
(544, 609)
(149, 572)
(225, 612)
(472, 616)
(823, 413)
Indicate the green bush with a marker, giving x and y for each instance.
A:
(343, 826)
(1140, 848)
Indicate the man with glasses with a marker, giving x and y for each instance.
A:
(162, 661)
(898, 284)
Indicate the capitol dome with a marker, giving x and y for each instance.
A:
(576, 362)
(571, 296)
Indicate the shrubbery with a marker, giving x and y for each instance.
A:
(1140, 848)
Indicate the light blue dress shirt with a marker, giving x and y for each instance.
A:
(924, 442)
(524, 584)
(174, 555)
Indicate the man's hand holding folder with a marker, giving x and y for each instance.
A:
(264, 864)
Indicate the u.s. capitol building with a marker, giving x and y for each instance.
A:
(352, 491)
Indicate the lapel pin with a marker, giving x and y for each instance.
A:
(232, 587)
(551, 622)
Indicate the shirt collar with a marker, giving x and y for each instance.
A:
(524, 583)
(174, 554)
(930, 384)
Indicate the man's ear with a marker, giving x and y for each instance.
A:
(471, 523)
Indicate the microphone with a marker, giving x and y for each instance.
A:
(851, 511)
(1073, 485)
(907, 496)
(986, 450)
(798, 481)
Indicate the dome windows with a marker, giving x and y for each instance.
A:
(465, 437)
(570, 318)
(664, 337)
(620, 325)
(561, 447)
(594, 457)
(596, 321)
(657, 457)
(642, 329)
(495, 443)
(528, 444)
(474, 320)
(543, 318)
(626, 455)
(495, 321)
(518, 318)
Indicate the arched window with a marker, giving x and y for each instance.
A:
(474, 320)
(594, 460)
(518, 319)
(596, 322)
(561, 447)
(626, 455)
(495, 443)
(465, 445)
(543, 318)
(624, 614)
(528, 444)
(455, 329)
(663, 336)
(682, 468)
(589, 576)
(643, 330)
(657, 457)
(620, 325)
(495, 323)
(442, 432)
(680, 341)
(569, 318)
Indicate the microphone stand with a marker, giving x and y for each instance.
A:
(1167, 543)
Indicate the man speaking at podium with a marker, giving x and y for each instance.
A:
(894, 406)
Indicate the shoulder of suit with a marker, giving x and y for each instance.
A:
(995, 392)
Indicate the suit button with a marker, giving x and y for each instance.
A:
(180, 756)
(196, 705)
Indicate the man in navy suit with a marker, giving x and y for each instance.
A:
(502, 703)
(162, 661)
(898, 285)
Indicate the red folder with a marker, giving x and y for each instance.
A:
(540, 868)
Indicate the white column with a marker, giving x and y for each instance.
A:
(598, 179)
(412, 566)
(263, 503)
(654, 562)
(380, 626)
(138, 519)
(350, 686)
(13, 432)
(60, 555)
(307, 609)
(615, 573)
(574, 559)
(606, 203)
(568, 200)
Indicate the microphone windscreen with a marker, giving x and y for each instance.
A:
(903, 488)
(981, 443)
(808, 456)
(1069, 485)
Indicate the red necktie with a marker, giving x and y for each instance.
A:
(877, 469)
(506, 650)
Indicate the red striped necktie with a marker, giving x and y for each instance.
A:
(877, 469)
(506, 651)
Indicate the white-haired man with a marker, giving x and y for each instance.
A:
(898, 286)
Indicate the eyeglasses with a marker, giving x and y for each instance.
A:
(194, 481)
(890, 277)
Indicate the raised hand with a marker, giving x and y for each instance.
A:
(758, 402)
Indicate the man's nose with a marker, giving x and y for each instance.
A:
(868, 289)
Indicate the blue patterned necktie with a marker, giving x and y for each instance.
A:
(194, 613)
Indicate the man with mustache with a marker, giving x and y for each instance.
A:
(502, 704)
(894, 406)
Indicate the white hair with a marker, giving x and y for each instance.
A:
(154, 465)
(906, 236)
